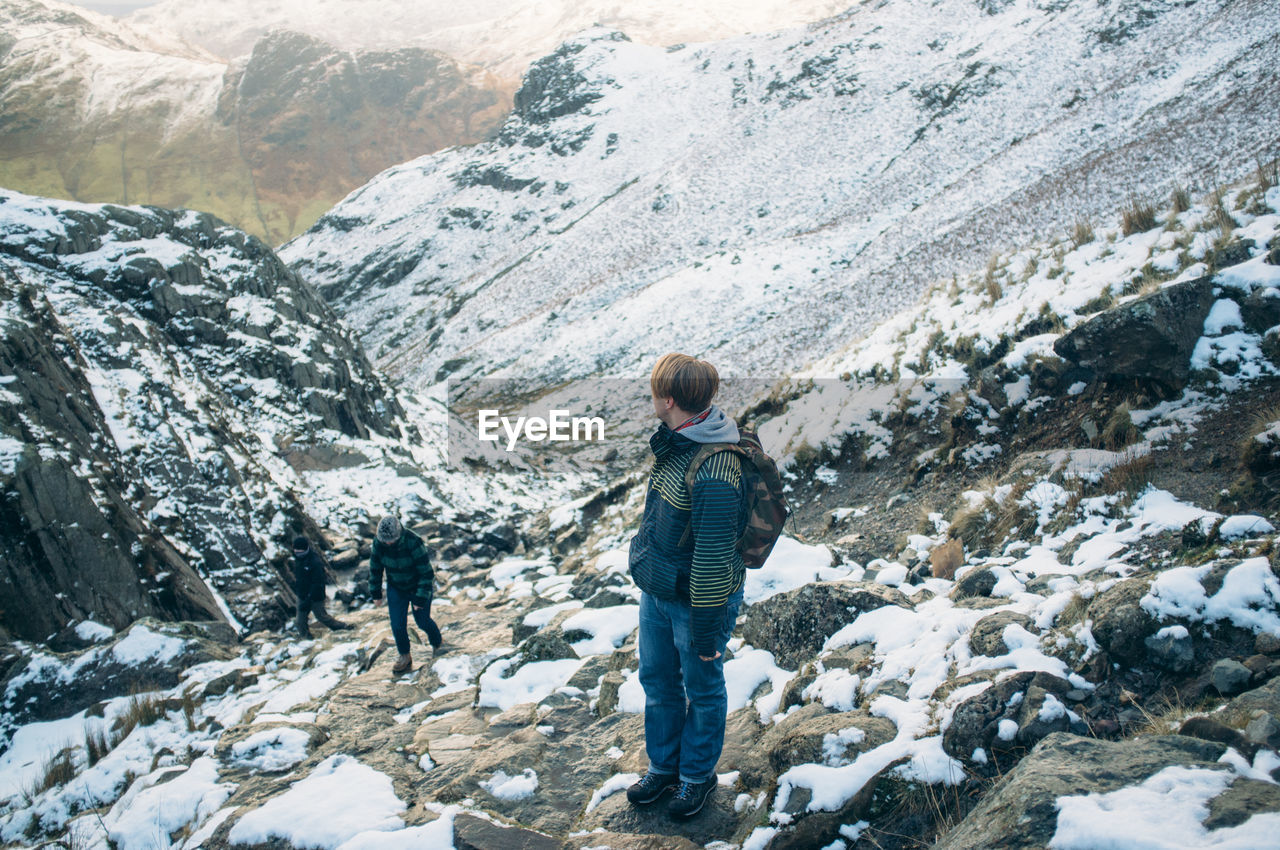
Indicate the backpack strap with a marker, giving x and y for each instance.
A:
(704, 451)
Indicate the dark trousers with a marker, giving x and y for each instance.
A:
(315, 606)
(398, 607)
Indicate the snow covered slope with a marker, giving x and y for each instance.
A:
(166, 379)
(501, 35)
(764, 200)
(98, 111)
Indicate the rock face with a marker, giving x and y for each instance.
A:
(1020, 812)
(160, 364)
(1148, 339)
(267, 141)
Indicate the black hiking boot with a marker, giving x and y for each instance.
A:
(690, 798)
(650, 788)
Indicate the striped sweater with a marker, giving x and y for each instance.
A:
(705, 575)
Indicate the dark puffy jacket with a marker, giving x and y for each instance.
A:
(308, 576)
(707, 573)
(407, 563)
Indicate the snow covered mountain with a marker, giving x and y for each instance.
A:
(97, 110)
(765, 199)
(503, 36)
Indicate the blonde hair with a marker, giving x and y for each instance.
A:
(692, 383)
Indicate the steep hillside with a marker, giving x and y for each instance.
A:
(96, 111)
(503, 36)
(175, 405)
(1038, 606)
(757, 200)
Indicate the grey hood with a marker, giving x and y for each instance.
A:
(716, 428)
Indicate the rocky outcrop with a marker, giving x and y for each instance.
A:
(162, 367)
(795, 625)
(1148, 339)
(1021, 812)
(149, 655)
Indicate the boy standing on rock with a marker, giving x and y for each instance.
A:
(410, 581)
(689, 595)
(308, 576)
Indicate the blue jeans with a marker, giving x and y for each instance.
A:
(398, 607)
(685, 702)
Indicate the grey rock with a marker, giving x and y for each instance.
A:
(1176, 654)
(979, 581)
(1120, 624)
(473, 833)
(1243, 799)
(546, 646)
(1261, 310)
(501, 536)
(1150, 338)
(1230, 677)
(795, 625)
(1263, 729)
(1020, 812)
(987, 635)
(1019, 698)
(607, 702)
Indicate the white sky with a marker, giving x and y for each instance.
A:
(120, 7)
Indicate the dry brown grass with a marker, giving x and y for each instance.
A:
(143, 710)
(97, 742)
(59, 770)
(1218, 215)
(1180, 201)
(1119, 430)
(1082, 232)
(946, 559)
(1138, 217)
(1129, 477)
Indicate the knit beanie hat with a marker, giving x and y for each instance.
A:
(300, 544)
(389, 529)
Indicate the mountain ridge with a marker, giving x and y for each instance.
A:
(633, 177)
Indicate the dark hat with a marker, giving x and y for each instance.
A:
(389, 529)
(300, 544)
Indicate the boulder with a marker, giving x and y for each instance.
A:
(1148, 339)
(1120, 624)
(976, 723)
(795, 625)
(1172, 650)
(1263, 729)
(1261, 310)
(1020, 812)
(1243, 799)
(1230, 677)
(473, 833)
(979, 581)
(501, 536)
(545, 646)
(987, 635)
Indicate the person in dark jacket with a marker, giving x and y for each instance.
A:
(690, 595)
(308, 577)
(404, 557)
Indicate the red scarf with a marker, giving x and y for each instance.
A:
(694, 420)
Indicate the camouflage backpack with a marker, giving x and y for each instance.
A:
(766, 505)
